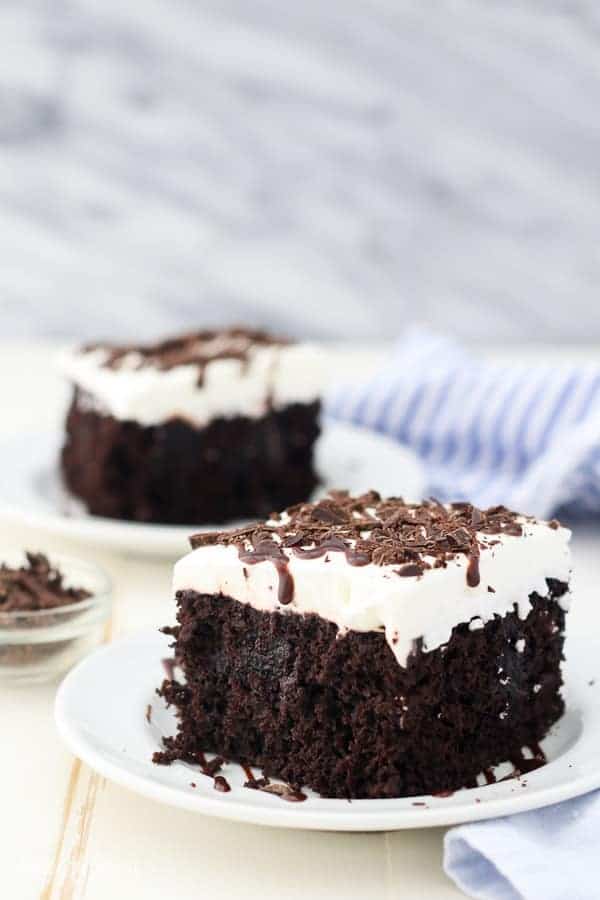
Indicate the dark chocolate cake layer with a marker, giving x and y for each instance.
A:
(175, 473)
(339, 715)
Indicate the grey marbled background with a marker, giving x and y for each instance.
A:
(329, 168)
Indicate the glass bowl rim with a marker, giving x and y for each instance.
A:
(100, 595)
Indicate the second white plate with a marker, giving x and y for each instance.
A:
(346, 457)
(101, 714)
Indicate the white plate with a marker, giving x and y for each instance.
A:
(346, 457)
(100, 713)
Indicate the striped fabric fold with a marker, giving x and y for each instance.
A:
(524, 435)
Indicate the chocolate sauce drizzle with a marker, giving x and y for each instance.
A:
(473, 576)
(268, 550)
(284, 792)
(354, 557)
(168, 664)
(521, 765)
(369, 530)
(197, 348)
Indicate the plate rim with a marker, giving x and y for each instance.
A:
(149, 538)
(372, 815)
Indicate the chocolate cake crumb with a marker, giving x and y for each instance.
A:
(411, 569)
(221, 784)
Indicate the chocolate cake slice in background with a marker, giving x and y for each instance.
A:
(207, 427)
(371, 648)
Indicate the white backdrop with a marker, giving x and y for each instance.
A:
(331, 169)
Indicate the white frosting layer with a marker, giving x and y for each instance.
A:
(273, 376)
(372, 598)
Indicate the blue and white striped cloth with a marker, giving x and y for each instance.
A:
(527, 436)
(524, 435)
(546, 854)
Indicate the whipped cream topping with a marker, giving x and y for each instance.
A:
(269, 376)
(375, 597)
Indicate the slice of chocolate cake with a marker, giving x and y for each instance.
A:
(371, 648)
(206, 427)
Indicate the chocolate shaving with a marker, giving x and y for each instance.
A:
(410, 569)
(197, 348)
(416, 537)
(285, 791)
(35, 586)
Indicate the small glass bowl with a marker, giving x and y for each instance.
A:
(41, 644)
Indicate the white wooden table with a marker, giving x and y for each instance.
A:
(67, 833)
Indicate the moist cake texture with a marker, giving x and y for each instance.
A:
(206, 427)
(371, 648)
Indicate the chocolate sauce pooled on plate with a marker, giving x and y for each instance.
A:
(221, 784)
(284, 791)
(210, 769)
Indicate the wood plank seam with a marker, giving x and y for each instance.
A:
(67, 807)
(70, 867)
